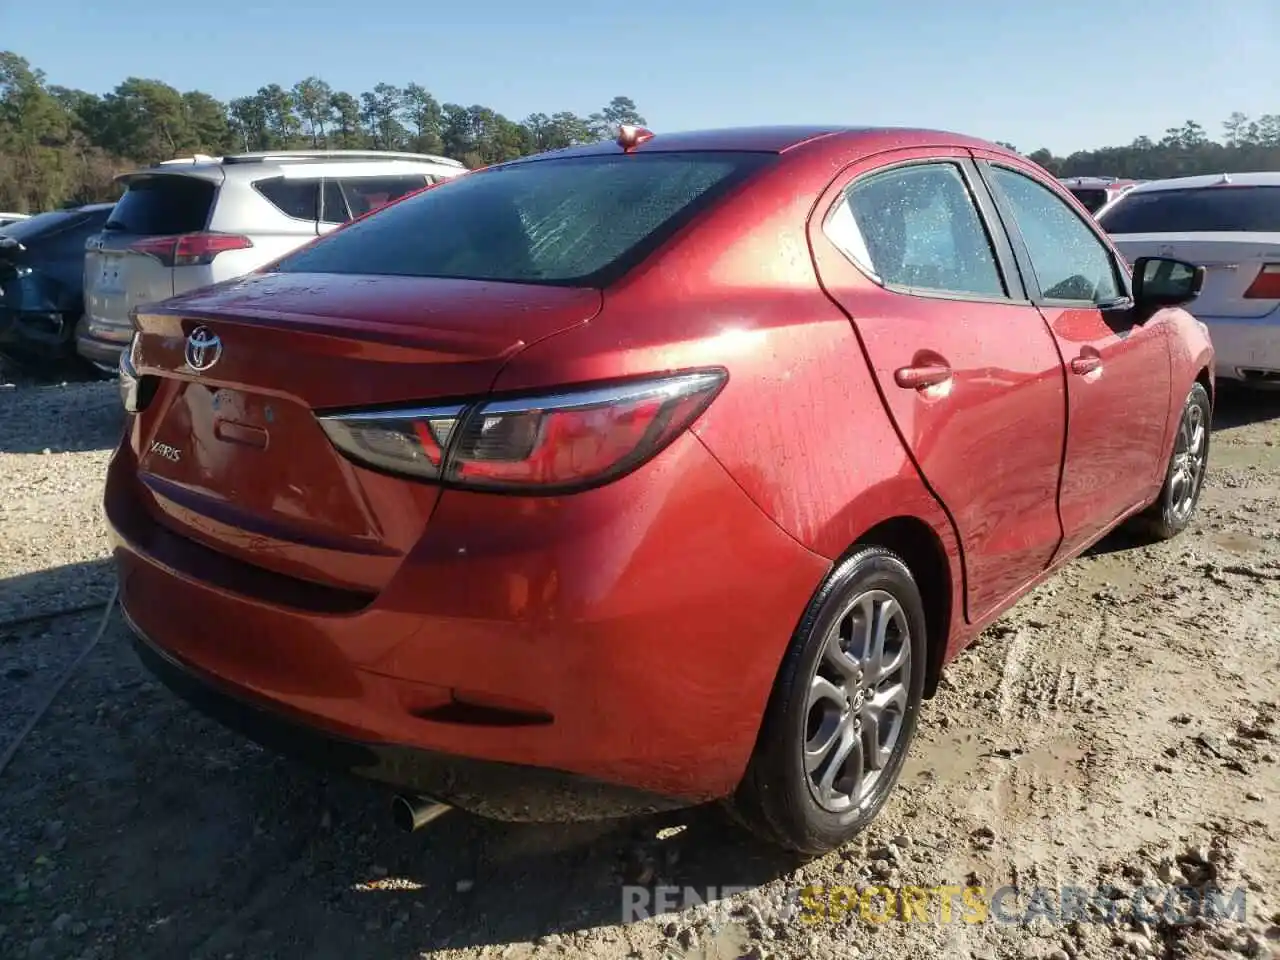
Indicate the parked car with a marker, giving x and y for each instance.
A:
(1230, 225)
(1097, 192)
(673, 470)
(41, 275)
(191, 222)
(9, 218)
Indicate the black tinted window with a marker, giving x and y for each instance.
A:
(163, 205)
(293, 198)
(916, 227)
(1092, 199)
(335, 207)
(365, 194)
(1069, 260)
(1225, 209)
(580, 221)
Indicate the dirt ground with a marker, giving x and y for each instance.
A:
(1119, 727)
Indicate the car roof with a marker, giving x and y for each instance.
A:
(775, 139)
(1259, 179)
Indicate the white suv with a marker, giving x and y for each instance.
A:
(185, 224)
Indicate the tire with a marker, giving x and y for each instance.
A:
(779, 799)
(1174, 508)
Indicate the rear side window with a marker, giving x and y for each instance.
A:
(294, 198)
(1225, 209)
(916, 227)
(365, 194)
(163, 205)
(577, 221)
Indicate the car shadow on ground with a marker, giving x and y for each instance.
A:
(130, 810)
(1239, 406)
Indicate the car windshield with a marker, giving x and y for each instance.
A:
(580, 221)
(1224, 209)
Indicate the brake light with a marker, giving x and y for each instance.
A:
(1266, 285)
(190, 249)
(550, 443)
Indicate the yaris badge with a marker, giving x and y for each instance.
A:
(204, 348)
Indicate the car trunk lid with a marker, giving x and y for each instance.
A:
(230, 451)
(1232, 262)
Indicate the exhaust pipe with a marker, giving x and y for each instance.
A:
(413, 813)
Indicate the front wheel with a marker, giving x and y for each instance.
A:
(1173, 509)
(843, 710)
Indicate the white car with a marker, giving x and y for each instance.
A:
(8, 218)
(1229, 224)
(191, 222)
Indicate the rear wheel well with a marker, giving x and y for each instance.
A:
(1203, 379)
(922, 550)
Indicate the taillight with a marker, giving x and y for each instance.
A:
(1266, 285)
(549, 443)
(190, 249)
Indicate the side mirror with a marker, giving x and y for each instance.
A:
(1165, 282)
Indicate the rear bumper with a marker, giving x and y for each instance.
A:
(592, 652)
(1246, 350)
(102, 343)
(502, 791)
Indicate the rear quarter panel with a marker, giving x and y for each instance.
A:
(800, 425)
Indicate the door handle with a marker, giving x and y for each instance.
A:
(917, 378)
(1086, 363)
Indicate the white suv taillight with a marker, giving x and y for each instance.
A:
(548, 443)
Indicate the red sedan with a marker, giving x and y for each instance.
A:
(647, 473)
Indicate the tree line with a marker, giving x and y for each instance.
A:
(60, 146)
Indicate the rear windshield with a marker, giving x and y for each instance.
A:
(580, 221)
(163, 205)
(1092, 199)
(1225, 209)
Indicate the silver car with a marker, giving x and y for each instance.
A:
(188, 223)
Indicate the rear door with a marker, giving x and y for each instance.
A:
(904, 243)
(1118, 383)
(118, 274)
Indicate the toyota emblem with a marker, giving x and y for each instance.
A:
(204, 347)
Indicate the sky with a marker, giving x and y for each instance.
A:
(1068, 76)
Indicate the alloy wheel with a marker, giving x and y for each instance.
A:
(857, 701)
(1188, 462)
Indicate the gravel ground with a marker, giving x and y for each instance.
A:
(1120, 727)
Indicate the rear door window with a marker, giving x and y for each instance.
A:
(365, 194)
(298, 199)
(163, 205)
(916, 227)
(334, 209)
(1224, 209)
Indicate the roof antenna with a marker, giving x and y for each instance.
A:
(631, 136)
(1226, 178)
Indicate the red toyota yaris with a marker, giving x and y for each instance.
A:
(648, 473)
